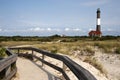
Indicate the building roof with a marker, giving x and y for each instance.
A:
(95, 32)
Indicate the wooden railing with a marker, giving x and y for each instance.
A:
(79, 72)
(8, 66)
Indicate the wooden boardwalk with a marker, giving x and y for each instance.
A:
(32, 71)
(27, 70)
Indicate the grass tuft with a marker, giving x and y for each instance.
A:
(96, 64)
(90, 50)
(117, 50)
(2, 52)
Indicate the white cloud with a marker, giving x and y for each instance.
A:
(44, 29)
(49, 29)
(73, 29)
(95, 3)
(37, 29)
(67, 29)
(77, 29)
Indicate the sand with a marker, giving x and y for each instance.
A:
(111, 63)
(27, 70)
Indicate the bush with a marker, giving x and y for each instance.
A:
(96, 64)
(54, 50)
(117, 50)
(89, 50)
(96, 44)
(107, 47)
(2, 52)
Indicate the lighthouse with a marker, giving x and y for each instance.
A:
(98, 32)
(98, 20)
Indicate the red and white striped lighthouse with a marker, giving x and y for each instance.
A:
(98, 28)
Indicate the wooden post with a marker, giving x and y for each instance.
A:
(43, 56)
(13, 65)
(32, 55)
(18, 51)
(64, 67)
(2, 74)
(32, 52)
(8, 70)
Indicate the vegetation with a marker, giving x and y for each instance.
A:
(2, 52)
(117, 50)
(108, 46)
(96, 64)
(54, 49)
(90, 50)
(56, 38)
(65, 44)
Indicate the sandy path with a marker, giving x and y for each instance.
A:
(29, 71)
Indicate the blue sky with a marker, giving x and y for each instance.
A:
(49, 17)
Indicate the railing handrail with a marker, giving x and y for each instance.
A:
(6, 63)
(80, 72)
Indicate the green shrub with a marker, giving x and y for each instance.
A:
(89, 50)
(107, 47)
(96, 64)
(96, 44)
(117, 50)
(54, 50)
(64, 49)
(2, 52)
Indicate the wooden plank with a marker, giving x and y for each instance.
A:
(5, 64)
(7, 61)
(10, 75)
(7, 70)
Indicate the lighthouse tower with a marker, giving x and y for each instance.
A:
(98, 28)
(98, 32)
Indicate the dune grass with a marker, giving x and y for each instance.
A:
(94, 62)
(110, 46)
(2, 52)
(117, 50)
(87, 46)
